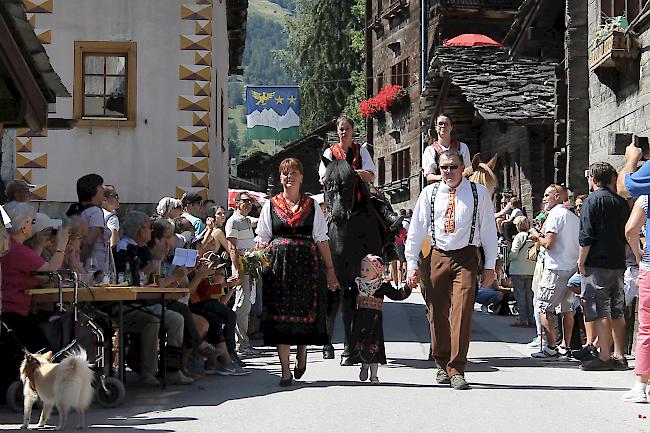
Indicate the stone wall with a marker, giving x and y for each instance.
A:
(399, 130)
(623, 107)
(524, 162)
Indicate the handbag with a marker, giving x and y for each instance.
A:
(532, 253)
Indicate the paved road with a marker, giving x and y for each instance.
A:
(512, 393)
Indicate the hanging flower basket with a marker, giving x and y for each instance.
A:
(388, 97)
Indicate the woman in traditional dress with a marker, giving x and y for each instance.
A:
(362, 163)
(435, 148)
(293, 231)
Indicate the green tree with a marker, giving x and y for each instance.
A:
(323, 56)
(235, 93)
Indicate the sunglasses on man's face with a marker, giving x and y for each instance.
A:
(449, 167)
(246, 200)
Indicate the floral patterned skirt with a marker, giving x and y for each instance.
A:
(367, 337)
(294, 294)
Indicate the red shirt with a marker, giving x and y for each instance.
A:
(17, 268)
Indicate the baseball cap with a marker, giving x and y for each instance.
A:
(44, 222)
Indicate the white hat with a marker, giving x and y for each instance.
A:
(166, 204)
(45, 222)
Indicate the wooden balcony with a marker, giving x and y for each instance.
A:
(375, 24)
(482, 4)
(613, 51)
(395, 8)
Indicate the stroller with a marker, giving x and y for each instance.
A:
(69, 326)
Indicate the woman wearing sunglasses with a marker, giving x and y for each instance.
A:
(431, 156)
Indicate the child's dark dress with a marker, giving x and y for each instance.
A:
(367, 327)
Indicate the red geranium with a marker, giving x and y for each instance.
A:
(386, 97)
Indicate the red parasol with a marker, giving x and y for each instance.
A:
(259, 196)
(470, 40)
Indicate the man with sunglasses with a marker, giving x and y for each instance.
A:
(240, 236)
(110, 204)
(458, 217)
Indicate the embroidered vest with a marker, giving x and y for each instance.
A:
(339, 153)
(370, 302)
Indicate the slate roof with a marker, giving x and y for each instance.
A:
(14, 14)
(498, 87)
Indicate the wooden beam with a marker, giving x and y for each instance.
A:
(12, 59)
(442, 97)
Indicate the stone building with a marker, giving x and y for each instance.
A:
(396, 54)
(499, 105)
(556, 31)
(619, 79)
(149, 97)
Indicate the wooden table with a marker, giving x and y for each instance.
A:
(107, 294)
(118, 295)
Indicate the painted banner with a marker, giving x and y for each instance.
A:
(273, 112)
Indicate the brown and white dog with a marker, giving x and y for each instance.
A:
(67, 385)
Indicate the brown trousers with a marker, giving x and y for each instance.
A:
(453, 276)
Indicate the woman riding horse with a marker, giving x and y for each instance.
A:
(359, 224)
(362, 163)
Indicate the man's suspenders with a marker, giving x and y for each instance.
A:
(474, 213)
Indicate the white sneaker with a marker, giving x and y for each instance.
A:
(636, 394)
(226, 370)
(178, 378)
(536, 342)
(249, 351)
(546, 353)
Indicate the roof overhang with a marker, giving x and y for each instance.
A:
(472, 83)
(28, 79)
(236, 15)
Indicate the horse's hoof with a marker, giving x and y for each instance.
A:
(345, 362)
(328, 352)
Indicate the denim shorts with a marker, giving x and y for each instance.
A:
(603, 295)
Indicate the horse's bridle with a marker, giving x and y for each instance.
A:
(334, 188)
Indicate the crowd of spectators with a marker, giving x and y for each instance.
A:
(206, 332)
(574, 272)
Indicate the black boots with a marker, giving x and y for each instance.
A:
(391, 218)
(389, 250)
(393, 223)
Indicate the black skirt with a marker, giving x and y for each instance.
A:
(294, 293)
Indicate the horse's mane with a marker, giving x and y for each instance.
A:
(483, 172)
(339, 170)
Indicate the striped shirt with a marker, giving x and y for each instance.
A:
(645, 261)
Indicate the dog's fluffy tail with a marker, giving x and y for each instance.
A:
(75, 379)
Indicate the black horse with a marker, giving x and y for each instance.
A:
(354, 231)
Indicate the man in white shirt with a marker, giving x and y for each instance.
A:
(463, 221)
(560, 238)
(241, 238)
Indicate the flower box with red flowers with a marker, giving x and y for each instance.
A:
(387, 98)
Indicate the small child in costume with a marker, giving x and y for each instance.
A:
(367, 327)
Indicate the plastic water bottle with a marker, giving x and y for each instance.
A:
(128, 275)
